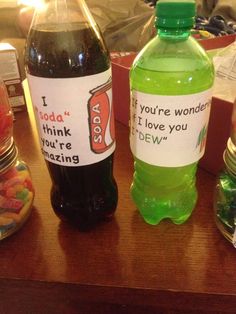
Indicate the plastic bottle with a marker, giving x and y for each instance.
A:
(69, 74)
(16, 189)
(171, 80)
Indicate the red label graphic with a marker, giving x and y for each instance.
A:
(101, 118)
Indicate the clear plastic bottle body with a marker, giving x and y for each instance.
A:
(173, 63)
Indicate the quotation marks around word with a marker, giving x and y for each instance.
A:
(67, 113)
(150, 138)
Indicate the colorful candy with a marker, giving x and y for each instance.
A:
(16, 197)
(16, 189)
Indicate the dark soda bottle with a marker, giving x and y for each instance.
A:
(69, 75)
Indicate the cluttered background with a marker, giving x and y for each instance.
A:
(126, 25)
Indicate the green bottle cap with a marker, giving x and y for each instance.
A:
(175, 13)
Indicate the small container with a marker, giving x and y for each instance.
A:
(225, 192)
(16, 191)
(225, 195)
(6, 119)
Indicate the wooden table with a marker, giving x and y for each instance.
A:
(124, 266)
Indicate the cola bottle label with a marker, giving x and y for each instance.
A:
(74, 117)
(169, 131)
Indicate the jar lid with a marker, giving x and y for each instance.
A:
(230, 157)
(8, 157)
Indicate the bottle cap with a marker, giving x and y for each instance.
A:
(8, 158)
(175, 13)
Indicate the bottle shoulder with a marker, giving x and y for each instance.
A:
(67, 52)
(159, 53)
(181, 67)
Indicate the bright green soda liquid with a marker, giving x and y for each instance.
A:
(168, 66)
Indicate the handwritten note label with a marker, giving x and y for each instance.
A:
(74, 118)
(169, 131)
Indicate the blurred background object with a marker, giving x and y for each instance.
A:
(126, 25)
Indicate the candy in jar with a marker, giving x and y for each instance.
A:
(225, 191)
(16, 189)
(16, 192)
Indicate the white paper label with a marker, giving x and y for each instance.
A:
(74, 117)
(169, 131)
(8, 66)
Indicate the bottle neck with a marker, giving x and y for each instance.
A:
(61, 12)
(173, 34)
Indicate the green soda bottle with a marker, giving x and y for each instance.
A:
(171, 87)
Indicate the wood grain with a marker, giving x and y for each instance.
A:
(123, 266)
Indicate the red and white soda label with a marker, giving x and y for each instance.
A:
(169, 131)
(74, 117)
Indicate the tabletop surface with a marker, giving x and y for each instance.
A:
(124, 261)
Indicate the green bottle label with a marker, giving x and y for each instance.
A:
(169, 131)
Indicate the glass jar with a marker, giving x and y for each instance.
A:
(225, 192)
(16, 191)
(225, 195)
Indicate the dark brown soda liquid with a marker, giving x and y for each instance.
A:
(83, 195)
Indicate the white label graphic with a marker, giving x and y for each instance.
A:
(74, 117)
(169, 131)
